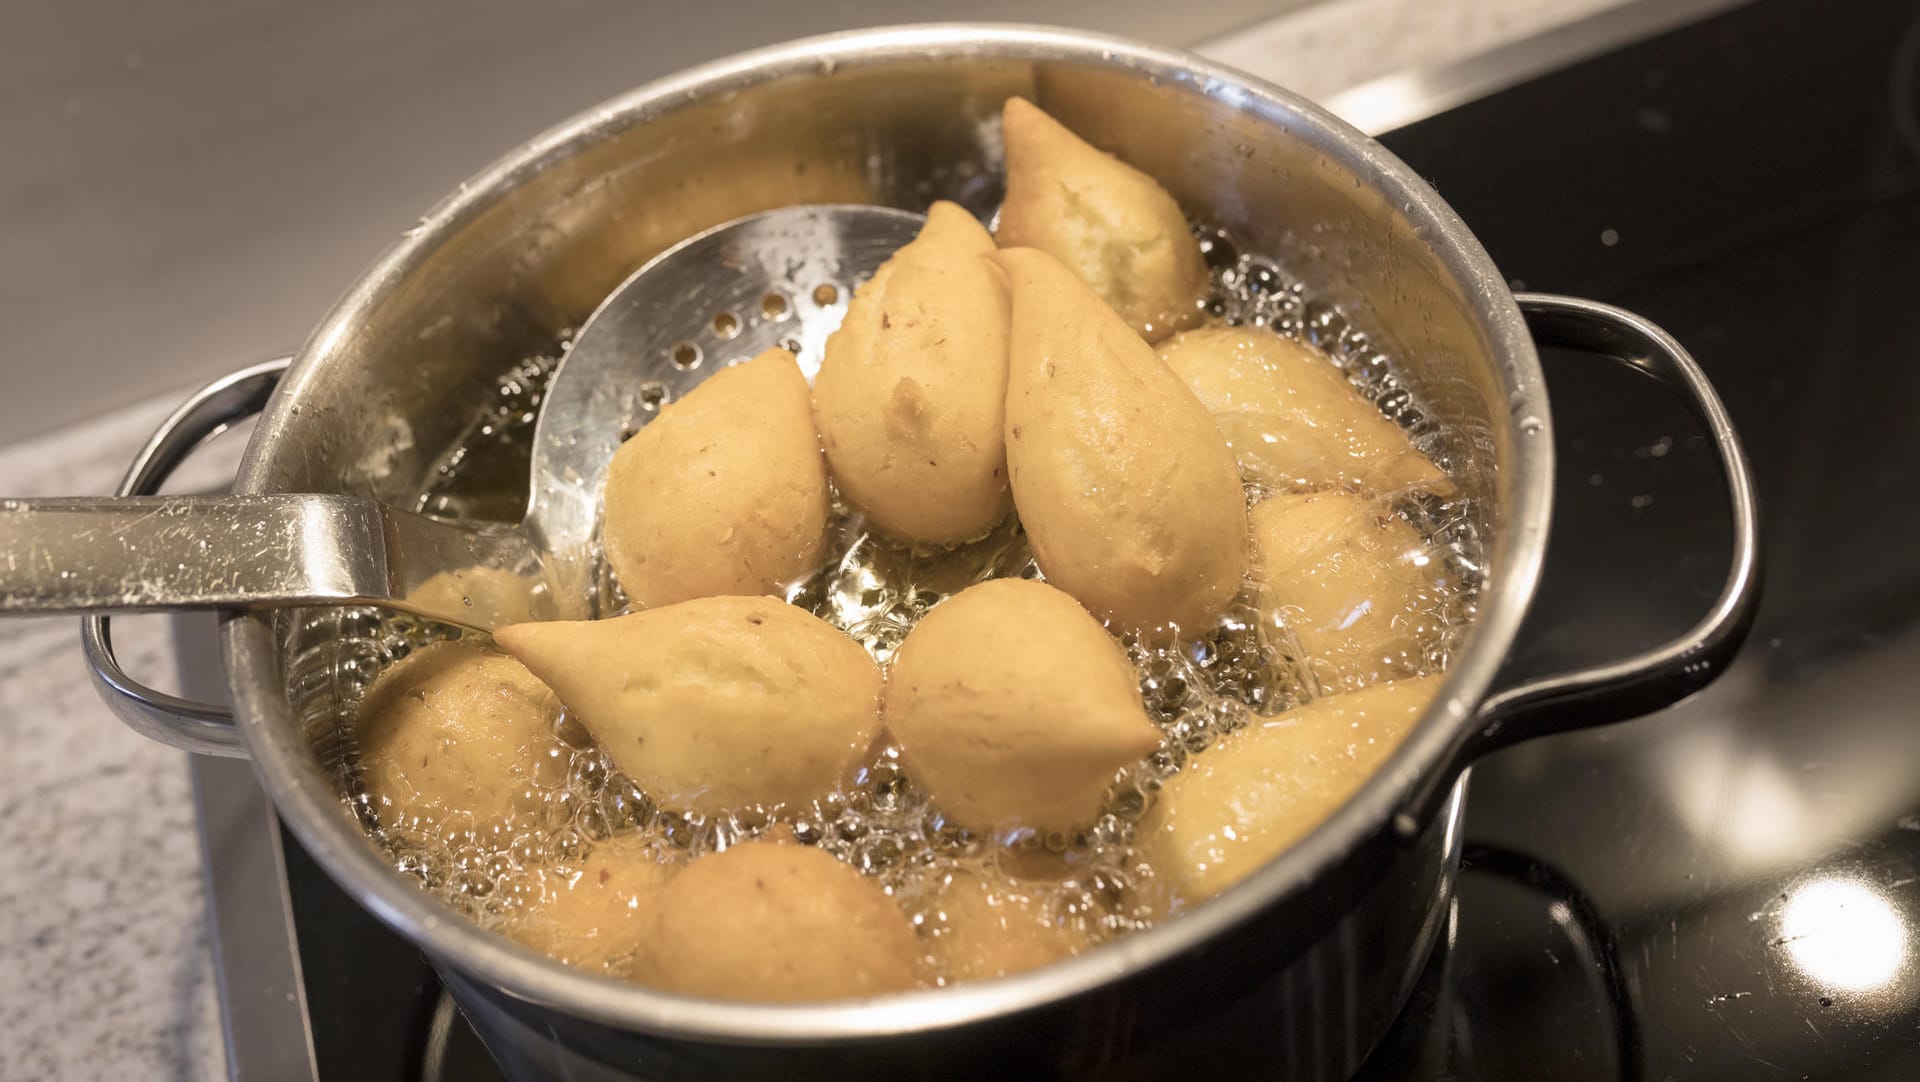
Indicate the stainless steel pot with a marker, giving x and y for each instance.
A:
(1292, 973)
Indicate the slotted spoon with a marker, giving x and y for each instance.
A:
(778, 278)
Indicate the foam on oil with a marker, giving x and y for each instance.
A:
(1094, 880)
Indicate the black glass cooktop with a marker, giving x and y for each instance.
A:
(1729, 889)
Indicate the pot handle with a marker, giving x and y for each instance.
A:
(1665, 674)
(206, 728)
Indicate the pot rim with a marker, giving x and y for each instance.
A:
(309, 802)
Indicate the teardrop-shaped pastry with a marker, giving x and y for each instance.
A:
(912, 391)
(716, 703)
(1293, 419)
(724, 493)
(1243, 801)
(1014, 708)
(1127, 490)
(989, 924)
(1111, 224)
(453, 731)
(1351, 581)
(770, 922)
(600, 917)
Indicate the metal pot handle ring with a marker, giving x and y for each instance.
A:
(206, 728)
(1656, 677)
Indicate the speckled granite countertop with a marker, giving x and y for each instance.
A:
(108, 970)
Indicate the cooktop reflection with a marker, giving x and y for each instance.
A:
(1728, 889)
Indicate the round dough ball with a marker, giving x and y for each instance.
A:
(1128, 491)
(991, 925)
(767, 922)
(600, 917)
(1111, 224)
(912, 392)
(1292, 418)
(723, 493)
(1243, 801)
(714, 704)
(1351, 581)
(1014, 708)
(454, 731)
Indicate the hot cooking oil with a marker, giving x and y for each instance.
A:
(1196, 690)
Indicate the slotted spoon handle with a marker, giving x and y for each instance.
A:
(135, 554)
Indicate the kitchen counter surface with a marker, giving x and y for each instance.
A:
(108, 969)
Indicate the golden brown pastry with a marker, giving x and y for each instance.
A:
(1111, 224)
(453, 730)
(991, 925)
(1350, 580)
(1126, 488)
(1294, 421)
(1241, 802)
(724, 493)
(912, 392)
(717, 703)
(1014, 708)
(599, 917)
(767, 922)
